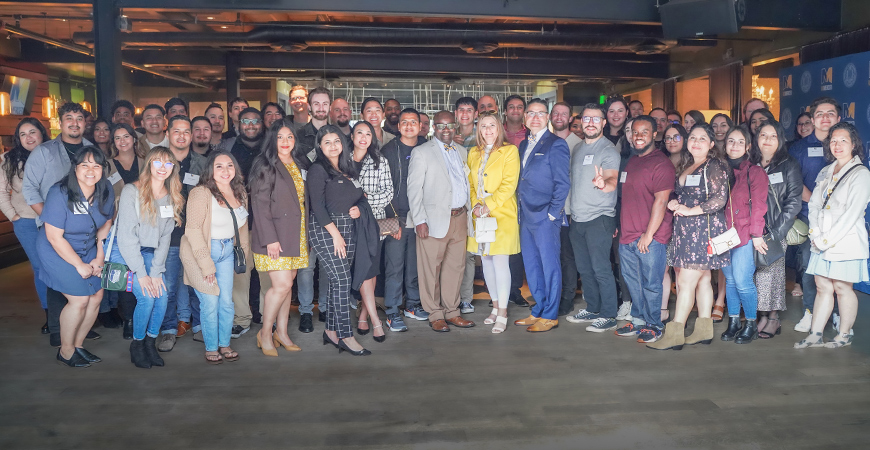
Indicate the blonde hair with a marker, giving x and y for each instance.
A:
(172, 183)
(499, 137)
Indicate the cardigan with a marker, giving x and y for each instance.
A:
(12, 200)
(837, 231)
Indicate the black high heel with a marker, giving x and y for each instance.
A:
(343, 347)
(379, 339)
(360, 331)
(327, 340)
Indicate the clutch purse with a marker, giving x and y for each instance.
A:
(484, 230)
(774, 250)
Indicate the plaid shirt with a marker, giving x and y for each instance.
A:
(377, 184)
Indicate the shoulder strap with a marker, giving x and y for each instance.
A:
(233, 215)
(828, 197)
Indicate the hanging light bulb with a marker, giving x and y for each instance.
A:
(48, 107)
(86, 106)
(5, 104)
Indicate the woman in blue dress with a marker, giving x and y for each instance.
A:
(77, 214)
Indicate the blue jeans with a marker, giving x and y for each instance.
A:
(179, 296)
(739, 282)
(149, 310)
(643, 274)
(305, 286)
(26, 232)
(217, 311)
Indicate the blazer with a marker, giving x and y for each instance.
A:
(430, 189)
(837, 230)
(195, 248)
(500, 177)
(544, 179)
(276, 215)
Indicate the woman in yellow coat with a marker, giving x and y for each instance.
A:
(494, 173)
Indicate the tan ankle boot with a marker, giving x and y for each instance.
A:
(703, 333)
(673, 337)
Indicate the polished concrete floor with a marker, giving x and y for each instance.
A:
(467, 389)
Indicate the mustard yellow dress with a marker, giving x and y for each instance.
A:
(264, 263)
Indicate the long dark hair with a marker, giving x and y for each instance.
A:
(857, 145)
(13, 165)
(90, 133)
(781, 150)
(374, 150)
(69, 184)
(237, 183)
(266, 164)
(346, 164)
(687, 160)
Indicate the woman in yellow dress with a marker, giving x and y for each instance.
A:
(279, 241)
(494, 173)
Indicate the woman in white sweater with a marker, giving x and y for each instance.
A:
(838, 235)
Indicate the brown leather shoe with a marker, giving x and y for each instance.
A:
(440, 326)
(543, 325)
(531, 320)
(183, 328)
(460, 322)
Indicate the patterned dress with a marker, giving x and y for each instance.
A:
(709, 189)
(264, 262)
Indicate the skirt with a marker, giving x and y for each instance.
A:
(770, 282)
(263, 263)
(852, 271)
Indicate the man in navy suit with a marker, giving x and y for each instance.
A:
(543, 187)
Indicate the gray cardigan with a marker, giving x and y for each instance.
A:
(135, 231)
(45, 166)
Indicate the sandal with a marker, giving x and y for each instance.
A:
(500, 325)
(214, 359)
(842, 340)
(489, 321)
(797, 291)
(718, 313)
(807, 343)
(360, 331)
(230, 355)
(768, 335)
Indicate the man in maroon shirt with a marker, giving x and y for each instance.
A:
(646, 226)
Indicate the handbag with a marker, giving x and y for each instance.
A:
(727, 240)
(484, 229)
(774, 249)
(240, 264)
(115, 276)
(390, 225)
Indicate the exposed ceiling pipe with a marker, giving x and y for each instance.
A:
(87, 51)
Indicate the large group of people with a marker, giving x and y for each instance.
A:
(215, 227)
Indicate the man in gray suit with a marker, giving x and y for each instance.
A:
(438, 197)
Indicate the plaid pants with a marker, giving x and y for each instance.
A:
(338, 271)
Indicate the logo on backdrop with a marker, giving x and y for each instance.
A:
(786, 86)
(785, 118)
(849, 112)
(807, 81)
(827, 79)
(850, 75)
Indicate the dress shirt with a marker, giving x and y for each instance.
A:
(456, 170)
(533, 140)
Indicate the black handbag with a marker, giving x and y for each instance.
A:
(240, 264)
(774, 249)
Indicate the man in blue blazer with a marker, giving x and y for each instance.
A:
(543, 187)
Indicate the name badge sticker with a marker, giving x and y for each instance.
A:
(304, 174)
(80, 208)
(814, 152)
(622, 177)
(166, 212)
(693, 180)
(775, 178)
(241, 213)
(114, 178)
(588, 159)
(356, 183)
(191, 179)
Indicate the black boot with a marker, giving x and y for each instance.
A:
(138, 356)
(151, 351)
(733, 329)
(116, 315)
(45, 327)
(748, 334)
(107, 320)
(128, 330)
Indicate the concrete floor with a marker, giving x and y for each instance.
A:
(467, 389)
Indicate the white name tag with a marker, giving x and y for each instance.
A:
(356, 183)
(775, 178)
(80, 208)
(241, 213)
(588, 159)
(191, 179)
(622, 177)
(813, 152)
(304, 174)
(693, 180)
(114, 178)
(166, 212)
(464, 169)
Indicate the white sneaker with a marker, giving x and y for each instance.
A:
(806, 322)
(624, 312)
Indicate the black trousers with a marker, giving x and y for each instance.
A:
(569, 273)
(55, 302)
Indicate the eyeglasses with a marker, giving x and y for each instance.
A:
(442, 126)
(594, 119)
(538, 114)
(250, 121)
(676, 138)
(675, 122)
(158, 164)
(298, 99)
(805, 124)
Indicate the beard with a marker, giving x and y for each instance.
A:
(642, 150)
(592, 136)
(562, 127)
(321, 115)
(342, 123)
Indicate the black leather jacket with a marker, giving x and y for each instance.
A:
(787, 195)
